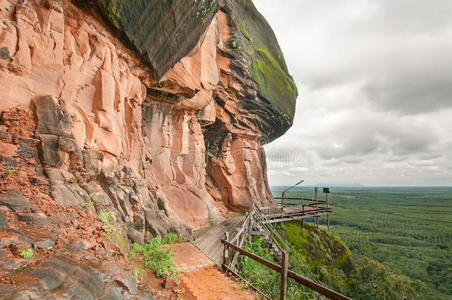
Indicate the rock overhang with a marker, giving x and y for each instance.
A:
(163, 32)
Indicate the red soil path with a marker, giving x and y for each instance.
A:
(201, 281)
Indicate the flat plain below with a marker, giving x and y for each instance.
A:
(406, 228)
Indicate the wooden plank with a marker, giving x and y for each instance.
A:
(273, 234)
(225, 251)
(208, 239)
(284, 268)
(294, 218)
(241, 240)
(288, 198)
(242, 229)
(316, 287)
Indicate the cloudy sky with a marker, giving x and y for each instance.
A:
(375, 91)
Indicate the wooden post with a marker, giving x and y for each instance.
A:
(328, 215)
(283, 200)
(316, 190)
(225, 249)
(284, 268)
(302, 209)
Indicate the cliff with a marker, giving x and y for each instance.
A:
(155, 111)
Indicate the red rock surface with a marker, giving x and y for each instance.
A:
(67, 53)
(86, 128)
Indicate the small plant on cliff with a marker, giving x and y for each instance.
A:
(173, 237)
(137, 271)
(10, 170)
(91, 200)
(107, 217)
(26, 253)
(156, 258)
(179, 293)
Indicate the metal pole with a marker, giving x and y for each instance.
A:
(284, 268)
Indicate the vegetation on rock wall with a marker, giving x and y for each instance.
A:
(271, 78)
(268, 68)
(156, 258)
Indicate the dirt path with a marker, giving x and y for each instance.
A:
(201, 281)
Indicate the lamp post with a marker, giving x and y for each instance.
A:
(283, 195)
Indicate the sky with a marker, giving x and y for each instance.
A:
(374, 80)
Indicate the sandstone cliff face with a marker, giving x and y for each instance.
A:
(253, 99)
(190, 140)
(157, 113)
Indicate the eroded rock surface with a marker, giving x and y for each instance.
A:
(156, 113)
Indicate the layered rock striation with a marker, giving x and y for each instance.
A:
(153, 110)
(164, 118)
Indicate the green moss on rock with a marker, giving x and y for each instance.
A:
(244, 30)
(164, 31)
(274, 83)
(319, 247)
(267, 67)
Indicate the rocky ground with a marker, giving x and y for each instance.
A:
(74, 250)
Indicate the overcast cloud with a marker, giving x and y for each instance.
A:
(375, 91)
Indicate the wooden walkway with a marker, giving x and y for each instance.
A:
(209, 240)
(286, 213)
(258, 222)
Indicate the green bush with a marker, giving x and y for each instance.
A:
(173, 237)
(26, 253)
(156, 258)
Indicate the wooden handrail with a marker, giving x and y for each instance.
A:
(273, 235)
(299, 278)
(291, 198)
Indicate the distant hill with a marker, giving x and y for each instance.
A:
(340, 184)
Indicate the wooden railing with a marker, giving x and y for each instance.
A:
(285, 273)
(257, 220)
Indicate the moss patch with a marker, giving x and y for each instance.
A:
(319, 247)
(244, 30)
(112, 9)
(273, 82)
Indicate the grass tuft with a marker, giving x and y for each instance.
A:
(26, 253)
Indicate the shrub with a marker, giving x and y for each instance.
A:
(156, 258)
(26, 253)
